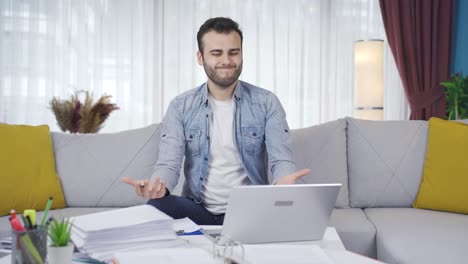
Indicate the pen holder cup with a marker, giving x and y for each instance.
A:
(29, 247)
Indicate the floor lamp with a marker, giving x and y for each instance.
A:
(368, 79)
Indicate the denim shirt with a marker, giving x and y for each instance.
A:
(261, 133)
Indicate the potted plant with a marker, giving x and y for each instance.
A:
(456, 93)
(61, 249)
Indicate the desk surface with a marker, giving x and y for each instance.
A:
(331, 244)
(330, 240)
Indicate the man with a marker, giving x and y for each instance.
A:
(226, 128)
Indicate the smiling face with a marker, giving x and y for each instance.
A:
(221, 58)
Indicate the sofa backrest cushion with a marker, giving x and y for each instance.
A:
(444, 181)
(322, 148)
(385, 161)
(90, 166)
(27, 171)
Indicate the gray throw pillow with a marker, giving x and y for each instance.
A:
(90, 166)
(385, 162)
(322, 148)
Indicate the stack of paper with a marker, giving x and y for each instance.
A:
(100, 235)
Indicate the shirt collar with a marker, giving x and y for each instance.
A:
(237, 92)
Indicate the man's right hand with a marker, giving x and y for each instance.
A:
(146, 188)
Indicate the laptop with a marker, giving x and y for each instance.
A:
(278, 213)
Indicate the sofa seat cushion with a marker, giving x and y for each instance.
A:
(5, 228)
(355, 230)
(407, 235)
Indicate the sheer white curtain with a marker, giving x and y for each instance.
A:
(302, 50)
(142, 52)
(54, 47)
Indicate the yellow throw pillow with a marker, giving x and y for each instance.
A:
(27, 169)
(444, 185)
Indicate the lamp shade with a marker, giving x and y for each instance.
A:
(368, 86)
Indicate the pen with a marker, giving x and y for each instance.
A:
(28, 218)
(26, 224)
(46, 211)
(32, 217)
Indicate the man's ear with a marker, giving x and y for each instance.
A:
(199, 58)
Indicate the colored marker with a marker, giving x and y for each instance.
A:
(13, 213)
(46, 211)
(32, 216)
(16, 225)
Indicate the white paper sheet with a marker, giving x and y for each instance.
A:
(5, 259)
(279, 254)
(167, 256)
(125, 217)
(185, 225)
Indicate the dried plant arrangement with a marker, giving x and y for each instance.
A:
(82, 117)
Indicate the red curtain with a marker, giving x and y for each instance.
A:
(419, 33)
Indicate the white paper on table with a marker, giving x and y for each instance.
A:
(145, 239)
(124, 217)
(298, 254)
(107, 253)
(129, 225)
(119, 238)
(135, 230)
(169, 256)
(186, 225)
(5, 259)
(154, 244)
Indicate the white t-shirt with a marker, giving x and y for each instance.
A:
(225, 169)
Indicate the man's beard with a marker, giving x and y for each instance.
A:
(220, 81)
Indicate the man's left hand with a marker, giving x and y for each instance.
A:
(293, 177)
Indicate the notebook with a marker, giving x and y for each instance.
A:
(278, 213)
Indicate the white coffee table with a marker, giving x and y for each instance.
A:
(331, 244)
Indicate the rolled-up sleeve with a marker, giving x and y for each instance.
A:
(278, 140)
(171, 147)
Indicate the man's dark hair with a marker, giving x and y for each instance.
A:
(219, 25)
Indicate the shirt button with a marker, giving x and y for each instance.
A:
(190, 136)
(207, 115)
(286, 130)
(206, 159)
(163, 135)
(254, 134)
(201, 178)
(208, 137)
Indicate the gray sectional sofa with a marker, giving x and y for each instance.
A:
(379, 164)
